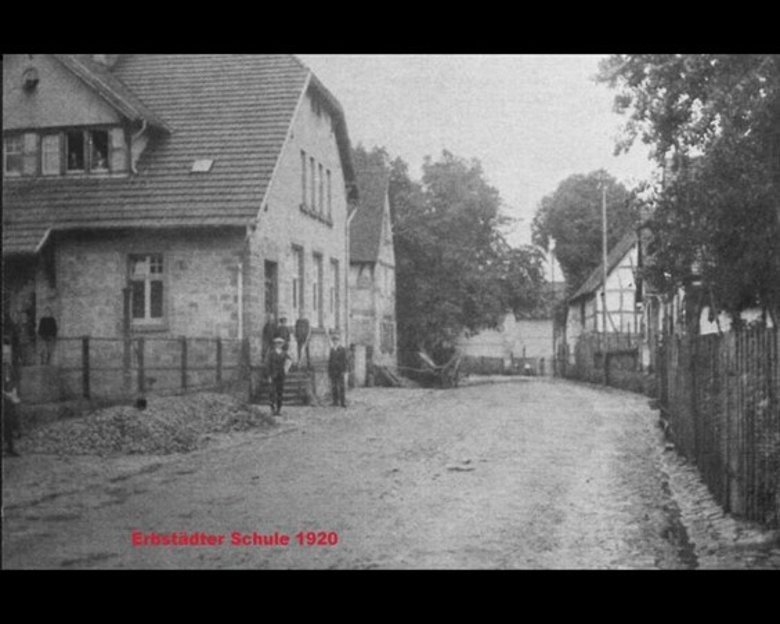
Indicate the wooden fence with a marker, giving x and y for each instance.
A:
(110, 368)
(720, 396)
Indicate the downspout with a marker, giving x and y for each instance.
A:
(240, 279)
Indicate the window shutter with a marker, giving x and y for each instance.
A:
(31, 154)
(118, 150)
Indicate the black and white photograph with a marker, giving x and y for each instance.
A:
(391, 311)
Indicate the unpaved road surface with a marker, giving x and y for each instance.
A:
(523, 474)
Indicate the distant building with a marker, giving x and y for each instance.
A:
(372, 274)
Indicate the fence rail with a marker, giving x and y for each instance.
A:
(117, 367)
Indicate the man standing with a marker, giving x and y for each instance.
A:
(283, 331)
(277, 363)
(337, 368)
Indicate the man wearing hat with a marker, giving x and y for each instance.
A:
(277, 363)
(283, 331)
(337, 368)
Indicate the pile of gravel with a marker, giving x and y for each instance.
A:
(175, 424)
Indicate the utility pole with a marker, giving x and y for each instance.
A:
(554, 360)
(604, 254)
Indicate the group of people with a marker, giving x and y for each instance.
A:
(278, 362)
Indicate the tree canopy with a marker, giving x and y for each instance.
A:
(572, 217)
(455, 272)
(714, 124)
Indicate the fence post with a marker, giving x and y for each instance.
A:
(183, 340)
(85, 366)
(127, 354)
(219, 361)
(141, 371)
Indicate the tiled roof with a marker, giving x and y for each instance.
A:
(595, 279)
(233, 109)
(366, 228)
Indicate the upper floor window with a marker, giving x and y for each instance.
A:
(322, 190)
(87, 150)
(57, 152)
(330, 197)
(303, 177)
(13, 153)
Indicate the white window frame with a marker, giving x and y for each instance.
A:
(18, 139)
(147, 277)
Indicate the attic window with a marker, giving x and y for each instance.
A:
(30, 79)
(202, 165)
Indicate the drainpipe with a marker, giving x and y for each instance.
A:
(240, 278)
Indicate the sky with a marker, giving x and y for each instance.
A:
(531, 120)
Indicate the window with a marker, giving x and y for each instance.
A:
(387, 337)
(146, 289)
(303, 177)
(92, 150)
(330, 197)
(297, 280)
(317, 303)
(334, 292)
(51, 156)
(99, 150)
(322, 191)
(313, 171)
(75, 150)
(13, 150)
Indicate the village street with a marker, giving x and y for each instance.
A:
(520, 473)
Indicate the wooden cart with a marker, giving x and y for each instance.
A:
(446, 375)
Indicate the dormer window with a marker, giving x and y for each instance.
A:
(54, 152)
(99, 151)
(87, 151)
(74, 150)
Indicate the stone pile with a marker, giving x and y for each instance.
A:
(176, 424)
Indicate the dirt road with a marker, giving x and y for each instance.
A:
(525, 474)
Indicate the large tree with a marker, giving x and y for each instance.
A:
(571, 216)
(714, 124)
(455, 271)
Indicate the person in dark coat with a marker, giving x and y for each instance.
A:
(10, 415)
(337, 368)
(47, 330)
(269, 330)
(282, 331)
(277, 363)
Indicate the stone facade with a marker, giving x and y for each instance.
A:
(214, 279)
(290, 223)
